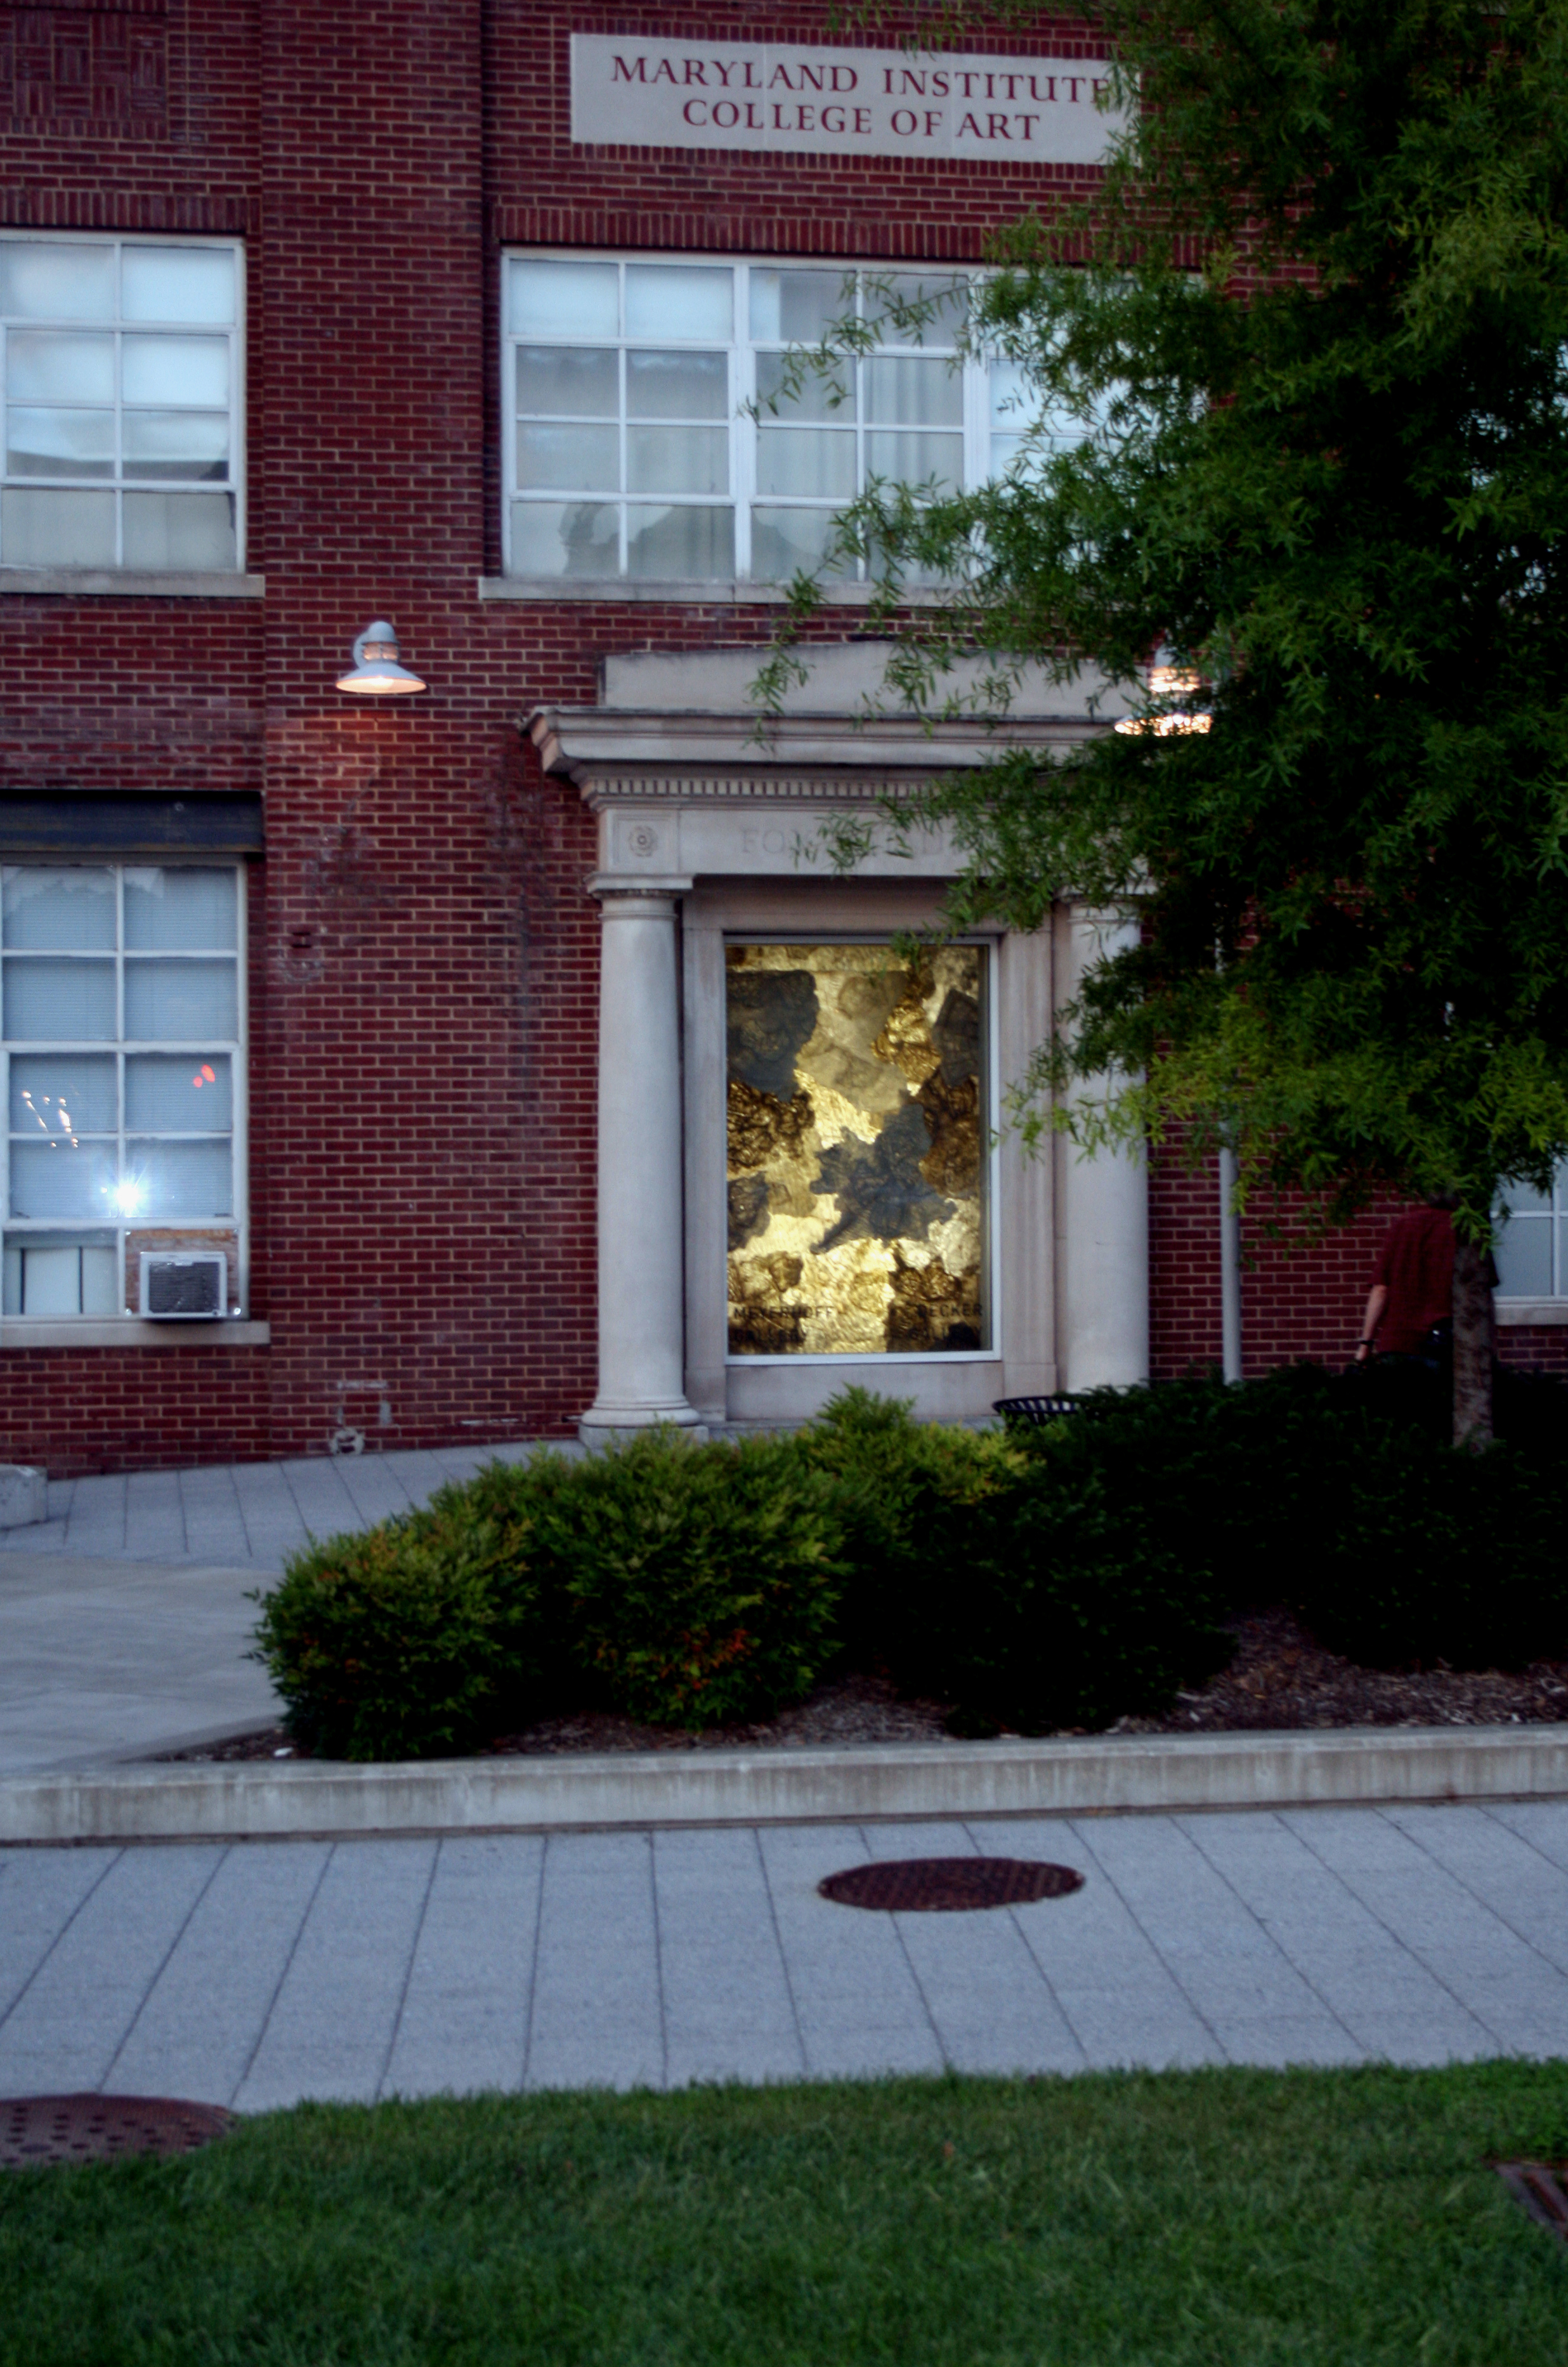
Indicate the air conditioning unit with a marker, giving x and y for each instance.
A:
(185, 1286)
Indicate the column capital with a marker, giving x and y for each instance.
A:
(657, 886)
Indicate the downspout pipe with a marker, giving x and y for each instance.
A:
(1230, 1268)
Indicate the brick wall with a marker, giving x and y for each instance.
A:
(424, 956)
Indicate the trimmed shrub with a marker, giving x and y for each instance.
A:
(907, 1491)
(1444, 1556)
(413, 1641)
(1033, 1576)
(700, 1583)
(1040, 1579)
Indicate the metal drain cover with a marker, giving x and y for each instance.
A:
(102, 2128)
(949, 1885)
(1539, 2186)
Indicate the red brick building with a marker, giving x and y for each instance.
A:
(416, 313)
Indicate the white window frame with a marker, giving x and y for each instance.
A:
(117, 485)
(867, 1362)
(977, 426)
(121, 1048)
(1555, 1217)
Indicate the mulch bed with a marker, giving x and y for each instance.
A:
(1281, 1679)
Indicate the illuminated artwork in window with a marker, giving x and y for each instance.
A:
(856, 1160)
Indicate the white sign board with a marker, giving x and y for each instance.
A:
(778, 96)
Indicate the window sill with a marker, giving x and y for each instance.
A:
(132, 1331)
(1516, 1313)
(130, 583)
(548, 590)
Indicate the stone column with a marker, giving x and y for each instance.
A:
(641, 1283)
(1102, 1214)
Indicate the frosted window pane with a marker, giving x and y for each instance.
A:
(676, 300)
(49, 1281)
(73, 1001)
(62, 1093)
(797, 308)
(806, 460)
(578, 379)
(100, 1288)
(913, 459)
(176, 911)
(193, 998)
(687, 545)
(177, 283)
(1524, 1258)
(911, 391)
(175, 369)
(949, 299)
(58, 911)
(820, 395)
(180, 530)
(179, 1179)
(186, 1095)
(1010, 395)
(53, 1180)
(783, 541)
(584, 458)
(56, 529)
(58, 1279)
(677, 460)
(59, 443)
(677, 386)
(176, 444)
(565, 539)
(855, 1155)
(563, 299)
(62, 282)
(1523, 1196)
(59, 366)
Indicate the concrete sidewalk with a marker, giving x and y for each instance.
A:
(123, 1618)
(263, 1974)
(246, 1515)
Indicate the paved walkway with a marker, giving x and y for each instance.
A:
(243, 1514)
(123, 1619)
(261, 1974)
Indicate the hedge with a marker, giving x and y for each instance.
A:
(1036, 1579)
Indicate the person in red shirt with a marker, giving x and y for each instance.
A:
(1413, 1289)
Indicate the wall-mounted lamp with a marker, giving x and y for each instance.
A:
(1167, 681)
(376, 673)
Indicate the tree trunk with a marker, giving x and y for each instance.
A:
(1474, 1341)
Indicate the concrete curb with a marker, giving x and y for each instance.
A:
(247, 1801)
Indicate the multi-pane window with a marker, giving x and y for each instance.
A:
(657, 429)
(121, 1020)
(1532, 1245)
(121, 376)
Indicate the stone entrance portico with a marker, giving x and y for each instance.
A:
(709, 829)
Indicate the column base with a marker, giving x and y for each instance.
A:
(603, 1423)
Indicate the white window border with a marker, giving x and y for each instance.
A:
(190, 583)
(875, 1360)
(741, 586)
(90, 1330)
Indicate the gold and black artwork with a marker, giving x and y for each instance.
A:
(857, 1151)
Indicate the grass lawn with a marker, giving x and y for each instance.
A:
(1252, 2219)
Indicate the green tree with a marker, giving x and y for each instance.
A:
(1311, 328)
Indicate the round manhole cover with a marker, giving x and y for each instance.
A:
(101, 2128)
(948, 1884)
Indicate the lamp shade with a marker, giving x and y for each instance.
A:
(376, 673)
